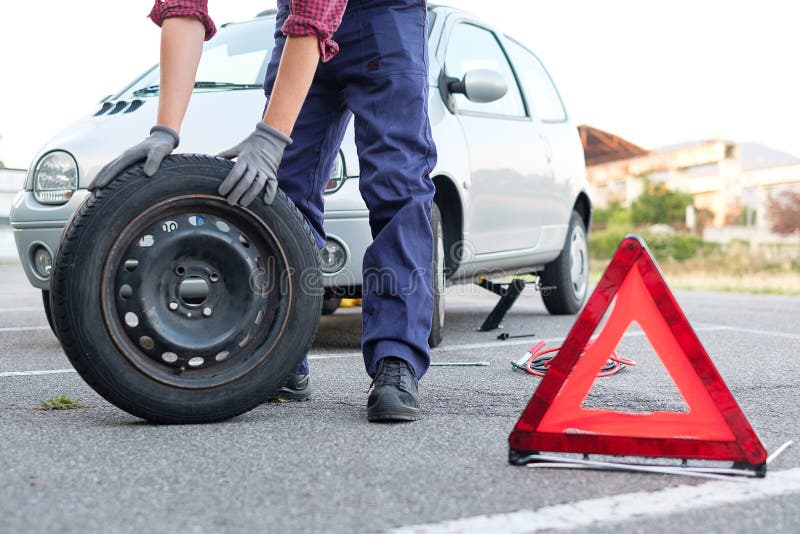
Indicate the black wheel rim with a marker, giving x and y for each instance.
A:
(193, 293)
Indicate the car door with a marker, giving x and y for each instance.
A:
(550, 116)
(508, 159)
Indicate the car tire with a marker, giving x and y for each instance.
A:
(48, 310)
(123, 249)
(330, 305)
(437, 322)
(565, 281)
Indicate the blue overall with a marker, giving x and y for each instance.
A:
(380, 77)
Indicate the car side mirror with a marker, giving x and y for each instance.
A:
(480, 85)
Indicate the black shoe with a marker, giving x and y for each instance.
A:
(394, 395)
(297, 388)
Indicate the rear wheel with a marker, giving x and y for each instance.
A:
(177, 307)
(437, 323)
(565, 281)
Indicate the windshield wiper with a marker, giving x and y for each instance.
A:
(153, 89)
(226, 85)
(145, 91)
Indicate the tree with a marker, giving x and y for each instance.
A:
(784, 212)
(659, 205)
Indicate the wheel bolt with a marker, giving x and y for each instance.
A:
(207, 311)
(173, 305)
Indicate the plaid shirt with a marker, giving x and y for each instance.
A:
(308, 17)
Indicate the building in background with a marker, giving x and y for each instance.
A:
(732, 181)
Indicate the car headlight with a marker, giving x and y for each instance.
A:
(55, 178)
(337, 175)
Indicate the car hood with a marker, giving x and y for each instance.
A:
(214, 122)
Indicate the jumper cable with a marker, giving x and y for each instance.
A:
(537, 360)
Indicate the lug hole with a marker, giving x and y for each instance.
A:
(180, 270)
(214, 277)
(125, 291)
(131, 265)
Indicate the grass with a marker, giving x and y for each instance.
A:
(60, 403)
(699, 279)
(706, 266)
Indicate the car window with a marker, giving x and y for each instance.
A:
(542, 95)
(238, 54)
(472, 47)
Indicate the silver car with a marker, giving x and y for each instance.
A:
(511, 185)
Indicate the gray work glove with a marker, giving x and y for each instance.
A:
(256, 169)
(162, 141)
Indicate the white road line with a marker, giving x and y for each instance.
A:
(761, 332)
(529, 342)
(619, 508)
(36, 373)
(334, 356)
(23, 328)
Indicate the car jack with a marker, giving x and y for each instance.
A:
(508, 293)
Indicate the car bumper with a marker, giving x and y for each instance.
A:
(351, 230)
(37, 225)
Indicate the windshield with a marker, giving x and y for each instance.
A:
(236, 58)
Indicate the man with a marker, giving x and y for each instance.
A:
(374, 64)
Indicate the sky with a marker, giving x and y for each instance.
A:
(655, 72)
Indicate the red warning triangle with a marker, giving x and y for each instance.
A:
(714, 428)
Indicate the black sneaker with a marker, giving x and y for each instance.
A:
(393, 396)
(297, 388)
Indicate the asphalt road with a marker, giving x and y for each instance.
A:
(320, 466)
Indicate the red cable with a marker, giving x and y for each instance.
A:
(538, 363)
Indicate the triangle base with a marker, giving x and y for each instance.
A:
(680, 448)
(534, 459)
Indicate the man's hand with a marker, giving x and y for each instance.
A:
(153, 150)
(257, 166)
